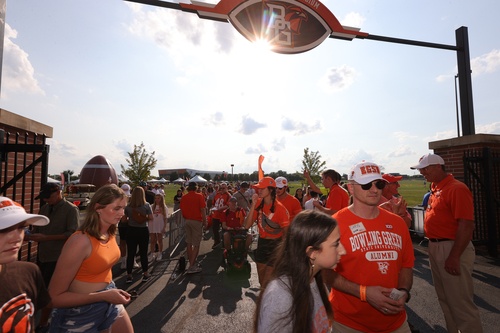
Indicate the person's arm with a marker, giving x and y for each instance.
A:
(149, 212)
(249, 218)
(376, 296)
(322, 209)
(74, 252)
(310, 182)
(463, 236)
(405, 280)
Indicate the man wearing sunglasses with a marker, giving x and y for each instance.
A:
(449, 224)
(372, 282)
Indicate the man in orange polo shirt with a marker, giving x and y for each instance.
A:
(449, 224)
(338, 198)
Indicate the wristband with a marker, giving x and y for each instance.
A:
(362, 293)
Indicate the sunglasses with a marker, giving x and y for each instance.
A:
(380, 184)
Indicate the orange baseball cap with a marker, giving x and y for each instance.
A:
(390, 178)
(265, 183)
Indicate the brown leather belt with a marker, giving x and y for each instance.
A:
(437, 240)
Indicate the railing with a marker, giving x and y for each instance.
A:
(417, 223)
(176, 229)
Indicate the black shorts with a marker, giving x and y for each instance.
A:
(265, 250)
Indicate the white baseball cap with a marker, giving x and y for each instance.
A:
(12, 213)
(126, 189)
(365, 172)
(426, 160)
(281, 182)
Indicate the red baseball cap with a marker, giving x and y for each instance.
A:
(390, 178)
(265, 183)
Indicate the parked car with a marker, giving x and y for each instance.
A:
(80, 194)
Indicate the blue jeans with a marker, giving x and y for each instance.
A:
(89, 318)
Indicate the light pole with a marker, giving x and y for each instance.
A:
(232, 176)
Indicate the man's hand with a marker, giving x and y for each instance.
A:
(378, 297)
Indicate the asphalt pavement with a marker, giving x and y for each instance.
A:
(211, 301)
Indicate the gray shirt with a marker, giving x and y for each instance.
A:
(145, 209)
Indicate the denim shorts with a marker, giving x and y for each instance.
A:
(91, 318)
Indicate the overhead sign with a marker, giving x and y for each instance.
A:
(288, 26)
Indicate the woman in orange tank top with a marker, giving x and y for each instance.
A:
(82, 290)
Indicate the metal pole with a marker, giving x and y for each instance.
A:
(456, 106)
(3, 8)
(465, 81)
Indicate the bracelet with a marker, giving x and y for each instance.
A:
(362, 293)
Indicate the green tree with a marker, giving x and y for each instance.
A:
(67, 175)
(207, 176)
(140, 164)
(312, 163)
(173, 176)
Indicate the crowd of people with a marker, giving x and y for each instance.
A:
(340, 261)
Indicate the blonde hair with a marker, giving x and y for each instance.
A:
(162, 206)
(138, 197)
(103, 197)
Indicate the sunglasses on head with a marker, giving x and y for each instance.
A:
(380, 184)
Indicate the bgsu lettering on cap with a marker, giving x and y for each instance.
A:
(366, 169)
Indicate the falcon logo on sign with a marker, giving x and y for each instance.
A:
(288, 26)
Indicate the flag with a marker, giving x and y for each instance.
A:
(261, 172)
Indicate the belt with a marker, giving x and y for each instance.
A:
(437, 240)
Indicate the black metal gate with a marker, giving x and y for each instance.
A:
(482, 175)
(23, 170)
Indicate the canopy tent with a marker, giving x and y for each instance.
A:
(161, 181)
(179, 181)
(198, 180)
(52, 180)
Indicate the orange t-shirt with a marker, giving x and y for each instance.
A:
(97, 267)
(280, 217)
(292, 205)
(191, 205)
(449, 201)
(338, 198)
(220, 200)
(376, 251)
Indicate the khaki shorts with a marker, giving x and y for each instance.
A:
(194, 232)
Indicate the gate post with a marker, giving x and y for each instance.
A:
(490, 203)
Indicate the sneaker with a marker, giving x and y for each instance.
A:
(136, 265)
(216, 245)
(151, 257)
(145, 278)
(158, 255)
(193, 269)
(129, 279)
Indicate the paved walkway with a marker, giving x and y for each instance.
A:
(213, 302)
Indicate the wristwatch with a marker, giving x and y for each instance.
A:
(407, 292)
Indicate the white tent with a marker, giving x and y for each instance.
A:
(52, 180)
(198, 180)
(179, 181)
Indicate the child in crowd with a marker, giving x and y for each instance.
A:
(296, 299)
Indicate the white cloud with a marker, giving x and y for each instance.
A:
(215, 119)
(493, 128)
(279, 144)
(337, 79)
(299, 128)
(400, 151)
(487, 63)
(249, 125)
(353, 19)
(18, 73)
(259, 149)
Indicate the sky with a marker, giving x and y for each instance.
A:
(110, 74)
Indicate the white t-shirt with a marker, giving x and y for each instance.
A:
(275, 306)
(309, 204)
